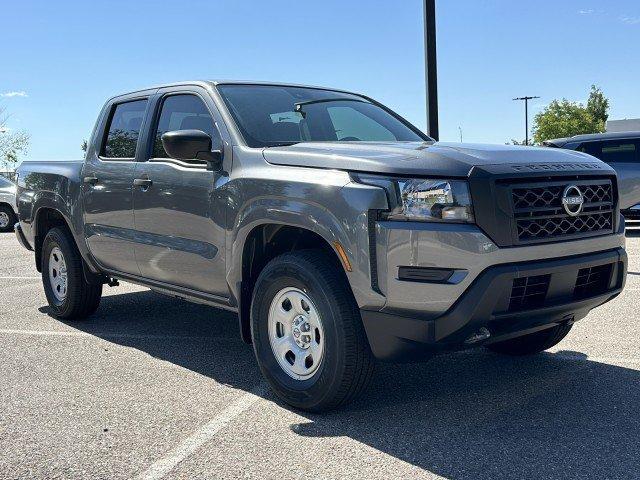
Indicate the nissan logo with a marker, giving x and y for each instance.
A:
(572, 200)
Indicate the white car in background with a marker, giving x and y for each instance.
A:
(8, 217)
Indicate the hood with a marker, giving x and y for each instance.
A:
(420, 158)
(11, 189)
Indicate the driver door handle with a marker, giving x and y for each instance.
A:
(90, 180)
(145, 183)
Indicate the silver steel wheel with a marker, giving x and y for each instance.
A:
(4, 219)
(295, 333)
(58, 274)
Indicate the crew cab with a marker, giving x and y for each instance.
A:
(337, 231)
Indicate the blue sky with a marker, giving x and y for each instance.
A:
(62, 59)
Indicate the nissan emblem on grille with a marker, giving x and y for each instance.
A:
(572, 200)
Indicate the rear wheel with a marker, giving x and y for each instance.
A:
(532, 343)
(307, 332)
(7, 218)
(68, 293)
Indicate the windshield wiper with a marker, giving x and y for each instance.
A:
(298, 106)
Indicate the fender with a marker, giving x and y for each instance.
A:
(334, 224)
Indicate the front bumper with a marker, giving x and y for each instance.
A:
(487, 302)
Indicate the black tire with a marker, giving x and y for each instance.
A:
(533, 343)
(82, 299)
(8, 211)
(347, 363)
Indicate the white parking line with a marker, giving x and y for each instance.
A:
(20, 278)
(105, 335)
(201, 436)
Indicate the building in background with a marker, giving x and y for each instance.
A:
(626, 125)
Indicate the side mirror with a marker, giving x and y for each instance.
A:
(190, 145)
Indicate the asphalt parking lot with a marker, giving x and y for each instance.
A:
(153, 387)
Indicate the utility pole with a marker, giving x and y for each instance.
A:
(430, 68)
(526, 116)
(460, 128)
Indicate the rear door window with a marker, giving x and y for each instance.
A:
(123, 130)
(614, 151)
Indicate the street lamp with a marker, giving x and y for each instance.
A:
(526, 117)
(430, 68)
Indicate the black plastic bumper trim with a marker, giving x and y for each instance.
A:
(393, 337)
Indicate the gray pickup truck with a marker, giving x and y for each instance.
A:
(337, 231)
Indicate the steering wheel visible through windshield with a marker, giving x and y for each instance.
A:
(272, 115)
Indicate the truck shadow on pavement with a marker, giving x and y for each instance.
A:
(467, 415)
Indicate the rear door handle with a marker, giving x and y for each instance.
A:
(90, 180)
(142, 182)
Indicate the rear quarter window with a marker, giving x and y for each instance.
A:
(123, 130)
(618, 151)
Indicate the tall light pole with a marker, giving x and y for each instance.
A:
(526, 117)
(430, 68)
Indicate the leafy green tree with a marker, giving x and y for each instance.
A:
(563, 118)
(12, 143)
(598, 106)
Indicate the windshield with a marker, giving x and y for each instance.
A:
(270, 115)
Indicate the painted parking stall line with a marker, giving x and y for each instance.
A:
(191, 444)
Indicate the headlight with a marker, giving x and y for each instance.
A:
(425, 200)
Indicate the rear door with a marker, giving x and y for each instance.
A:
(107, 184)
(180, 206)
(624, 156)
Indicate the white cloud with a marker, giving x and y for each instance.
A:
(586, 12)
(629, 20)
(14, 94)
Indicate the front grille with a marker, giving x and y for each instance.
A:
(528, 292)
(540, 215)
(554, 227)
(592, 281)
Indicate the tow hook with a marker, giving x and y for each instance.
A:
(479, 336)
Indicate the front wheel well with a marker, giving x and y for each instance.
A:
(264, 243)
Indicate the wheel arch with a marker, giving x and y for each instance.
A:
(48, 217)
(265, 241)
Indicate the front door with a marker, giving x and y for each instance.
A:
(179, 206)
(107, 178)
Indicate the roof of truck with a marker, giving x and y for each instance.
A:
(209, 83)
(592, 137)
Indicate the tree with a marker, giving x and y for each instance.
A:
(598, 106)
(12, 144)
(563, 118)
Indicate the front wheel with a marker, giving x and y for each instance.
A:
(532, 343)
(307, 332)
(69, 295)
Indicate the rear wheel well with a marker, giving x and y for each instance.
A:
(47, 219)
(264, 243)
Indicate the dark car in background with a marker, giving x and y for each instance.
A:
(621, 150)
